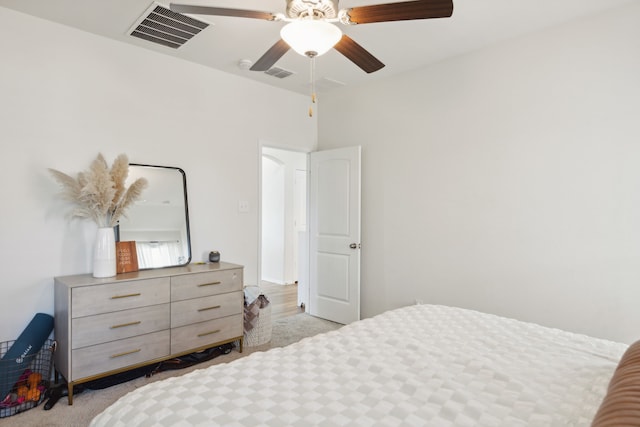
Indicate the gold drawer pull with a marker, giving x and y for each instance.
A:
(209, 308)
(126, 296)
(209, 284)
(113, 356)
(204, 334)
(126, 324)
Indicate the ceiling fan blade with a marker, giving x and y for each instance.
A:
(271, 56)
(220, 11)
(403, 11)
(357, 54)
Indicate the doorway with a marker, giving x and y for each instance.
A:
(284, 218)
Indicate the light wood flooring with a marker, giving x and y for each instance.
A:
(283, 299)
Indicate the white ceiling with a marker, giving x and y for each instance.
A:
(402, 46)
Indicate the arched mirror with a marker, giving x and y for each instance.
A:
(159, 221)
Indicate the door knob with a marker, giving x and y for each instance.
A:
(353, 246)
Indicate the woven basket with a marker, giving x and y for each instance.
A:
(261, 333)
(40, 363)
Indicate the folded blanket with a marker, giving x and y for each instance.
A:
(251, 293)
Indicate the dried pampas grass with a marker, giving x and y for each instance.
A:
(100, 193)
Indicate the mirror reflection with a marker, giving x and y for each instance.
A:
(159, 221)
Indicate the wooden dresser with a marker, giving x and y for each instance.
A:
(106, 326)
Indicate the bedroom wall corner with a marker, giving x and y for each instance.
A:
(506, 180)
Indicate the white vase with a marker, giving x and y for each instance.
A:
(104, 253)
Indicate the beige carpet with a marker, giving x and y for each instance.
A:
(89, 403)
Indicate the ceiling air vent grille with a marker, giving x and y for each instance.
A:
(280, 73)
(160, 25)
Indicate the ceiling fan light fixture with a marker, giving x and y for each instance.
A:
(311, 37)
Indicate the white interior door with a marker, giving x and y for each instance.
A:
(334, 239)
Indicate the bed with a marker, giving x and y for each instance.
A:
(419, 365)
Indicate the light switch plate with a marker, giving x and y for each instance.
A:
(243, 206)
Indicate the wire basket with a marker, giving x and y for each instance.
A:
(29, 391)
(261, 333)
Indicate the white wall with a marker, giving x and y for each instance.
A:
(507, 180)
(67, 95)
(273, 213)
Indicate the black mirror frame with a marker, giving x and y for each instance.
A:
(186, 212)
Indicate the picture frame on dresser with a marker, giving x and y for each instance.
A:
(111, 325)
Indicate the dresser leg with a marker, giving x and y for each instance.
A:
(241, 341)
(70, 393)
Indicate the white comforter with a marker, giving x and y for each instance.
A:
(422, 365)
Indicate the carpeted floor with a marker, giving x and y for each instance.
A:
(89, 403)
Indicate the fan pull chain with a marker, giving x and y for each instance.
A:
(313, 85)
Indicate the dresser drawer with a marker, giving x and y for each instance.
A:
(110, 356)
(91, 330)
(205, 284)
(206, 308)
(110, 297)
(205, 333)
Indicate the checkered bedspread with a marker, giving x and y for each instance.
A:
(422, 365)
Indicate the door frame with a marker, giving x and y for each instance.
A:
(304, 263)
(303, 291)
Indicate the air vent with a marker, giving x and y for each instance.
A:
(162, 26)
(280, 73)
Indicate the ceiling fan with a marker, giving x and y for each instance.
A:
(311, 31)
